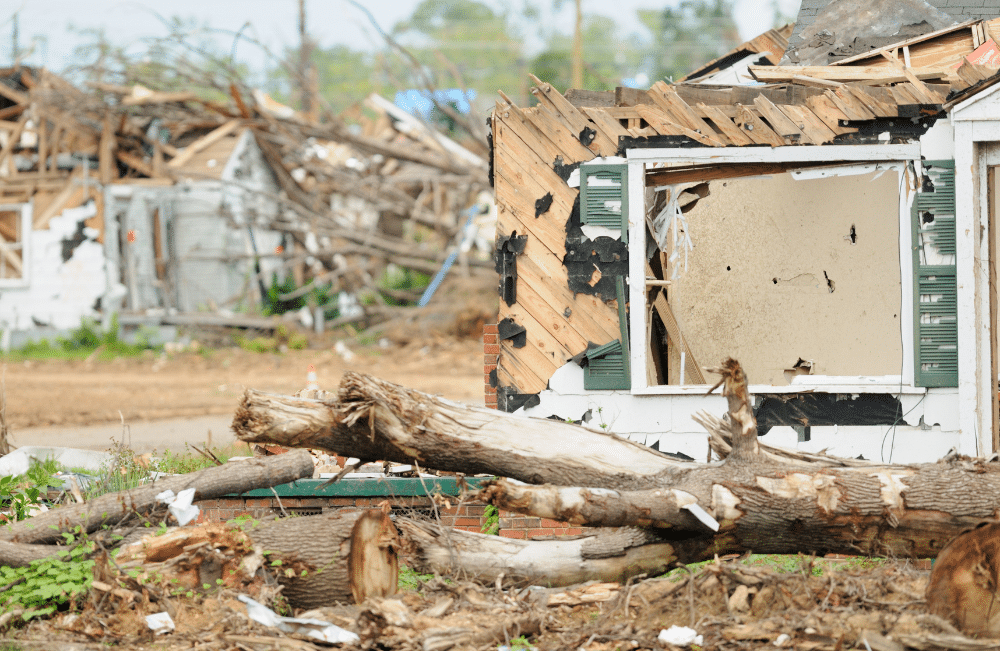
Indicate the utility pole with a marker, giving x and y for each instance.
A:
(15, 48)
(305, 67)
(578, 47)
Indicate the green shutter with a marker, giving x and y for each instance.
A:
(604, 197)
(608, 365)
(935, 300)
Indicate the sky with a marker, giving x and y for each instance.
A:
(274, 22)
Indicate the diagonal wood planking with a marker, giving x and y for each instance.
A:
(558, 324)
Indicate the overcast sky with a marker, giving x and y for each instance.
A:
(274, 22)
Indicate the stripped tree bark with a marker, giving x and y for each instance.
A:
(756, 499)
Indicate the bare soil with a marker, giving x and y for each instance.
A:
(78, 392)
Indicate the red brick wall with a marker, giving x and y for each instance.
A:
(491, 351)
(468, 516)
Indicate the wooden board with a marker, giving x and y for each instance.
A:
(824, 108)
(885, 74)
(529, 371)
(779, 122)
(540, 335)
(758, 131)
(667, 99)
(575, 121)
(725, 125)
(813, 128)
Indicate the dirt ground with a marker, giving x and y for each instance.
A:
(63, 392)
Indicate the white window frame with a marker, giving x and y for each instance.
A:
(639, 160)
(25, 209)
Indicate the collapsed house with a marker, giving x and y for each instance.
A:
(831, 226)
(170, 208)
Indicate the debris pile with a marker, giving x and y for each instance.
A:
(339, 217)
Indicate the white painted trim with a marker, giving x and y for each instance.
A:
(637, 274)
(957, 110)
(845, 386)
(985, 131)
(966, 216)
(789, 154)
(906, 197)
(637, 326)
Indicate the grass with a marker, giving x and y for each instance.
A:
(87, 340)
(789, 564)
(190, 461)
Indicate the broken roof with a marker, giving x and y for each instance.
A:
(847, 27)
(899, 89)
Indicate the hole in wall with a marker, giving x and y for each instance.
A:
(774, 280)
(728, 268)
(853, 236)
(829, 283)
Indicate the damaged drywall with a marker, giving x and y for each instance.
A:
(66, 272)
(801, 286)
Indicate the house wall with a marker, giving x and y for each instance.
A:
(59, 292)
(775, 276)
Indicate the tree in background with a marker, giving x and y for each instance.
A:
(690, 35)
(460, 44)
(608, 56)
(344, 76)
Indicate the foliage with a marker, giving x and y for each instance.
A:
(189, 461)
(609, 57)
(87, 340)
(123, 470)
(274, 304)
(410, 580)
(41, 587)
(19, 493)
(476, 45)
(491, 521)
(690, 35)
(344, 77)
(789, 564)
(284, 338)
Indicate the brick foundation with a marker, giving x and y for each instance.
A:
(491, 352)
(468, 516)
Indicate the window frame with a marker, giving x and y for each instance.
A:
(25, 242)
(897, 155)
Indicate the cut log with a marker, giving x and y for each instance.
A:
(373, 419)
(111, 509)
(965, 583)
(372, 564)
(315, 560)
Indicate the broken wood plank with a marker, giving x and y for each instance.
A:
(204, 142)
(754, 127)
(158, 98)
(664, 125)
(813, 128)
(779, 74)
(589, 98)
(609, 125)
(106, 153)
(815, 82)
(671, 102)
(576, 122)
(850, 105)
(779, 122)
(958, 29)
(136, 163)
(876, 99)
(824, 108)
(666, 315)
(725, 125)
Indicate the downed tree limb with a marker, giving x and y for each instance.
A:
(611, 555)
(373, 419)
(754, 500)
(112, 508)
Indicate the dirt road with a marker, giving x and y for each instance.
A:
(167, 401)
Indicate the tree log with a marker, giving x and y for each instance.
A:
(341, 556)
(114, 507)
(756, 499)
(376, 420)
(611, 555)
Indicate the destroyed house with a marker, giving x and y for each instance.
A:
(834, 228)
(167, 208)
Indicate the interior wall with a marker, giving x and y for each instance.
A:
(776, 276)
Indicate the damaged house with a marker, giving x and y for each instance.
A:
(170, 208)
(832, 226)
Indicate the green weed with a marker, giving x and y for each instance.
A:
(89, 339)
(410, 580)
(45, 584)
(491, 520)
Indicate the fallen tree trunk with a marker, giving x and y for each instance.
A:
(112, 508)
(376, 420)
(755, 499)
